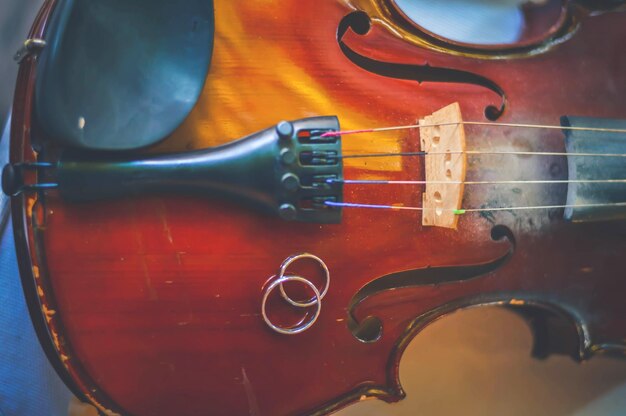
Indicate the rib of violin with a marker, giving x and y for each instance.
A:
(247, 266)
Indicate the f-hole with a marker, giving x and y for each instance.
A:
(370, 328)
(360, 24)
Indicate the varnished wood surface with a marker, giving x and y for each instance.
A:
(153, 303)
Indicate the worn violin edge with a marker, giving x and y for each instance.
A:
(37, 292)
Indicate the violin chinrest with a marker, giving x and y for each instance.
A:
(119, 75)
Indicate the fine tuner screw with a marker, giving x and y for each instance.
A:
(285, 130)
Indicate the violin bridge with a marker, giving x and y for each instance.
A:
(445, 166)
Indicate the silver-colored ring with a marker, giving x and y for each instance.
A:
(283, 269)
(299, 328)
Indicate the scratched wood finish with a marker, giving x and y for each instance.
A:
(153, 304)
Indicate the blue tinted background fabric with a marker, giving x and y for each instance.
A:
(471, 21)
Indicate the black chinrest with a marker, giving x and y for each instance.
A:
(121, 74)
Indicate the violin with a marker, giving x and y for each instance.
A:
(239, 208)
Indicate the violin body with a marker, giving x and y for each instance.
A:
(151, 304)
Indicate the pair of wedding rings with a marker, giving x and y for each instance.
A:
(282, 277)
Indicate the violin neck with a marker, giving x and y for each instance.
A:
(595, 201)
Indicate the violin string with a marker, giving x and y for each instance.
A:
(461, 211)
(451, 182)
(473, 123)
(478, 152)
